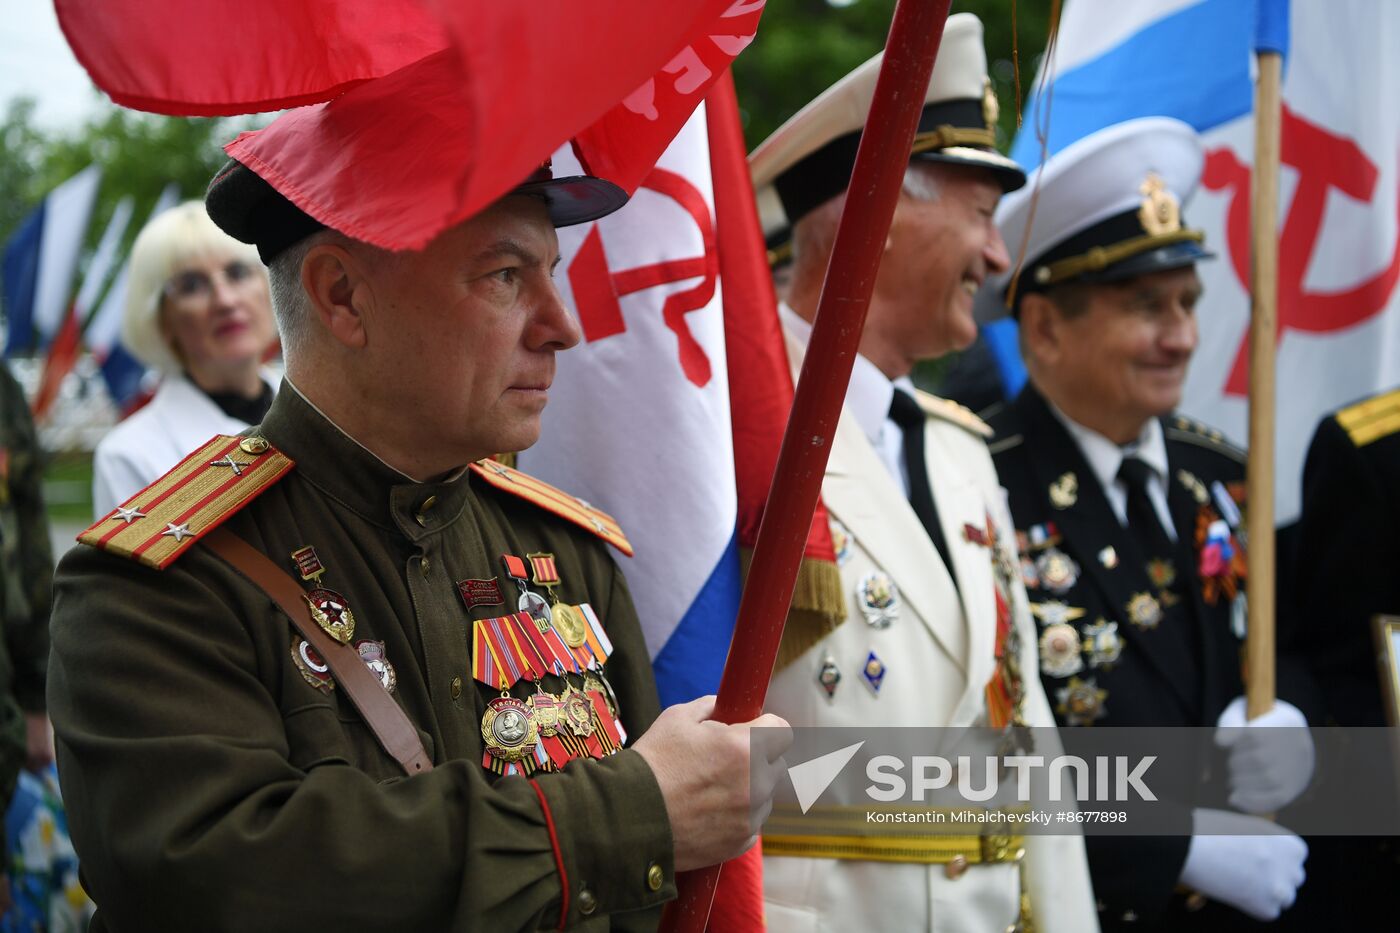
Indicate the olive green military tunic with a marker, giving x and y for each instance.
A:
(211, 786)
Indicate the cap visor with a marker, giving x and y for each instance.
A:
(1161, 259)
(1008, 174)
(576, 199)
(990, 304)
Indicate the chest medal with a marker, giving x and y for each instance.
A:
(1057, 571)
(332, 613)
(568, 642)
(879, 600)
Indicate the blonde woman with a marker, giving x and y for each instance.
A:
(198, 311)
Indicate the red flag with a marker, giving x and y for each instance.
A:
(461, 108)
(63, 355)
(191, 58)
(738, 904)
(760, 397)
(625, 142)
(760, 377)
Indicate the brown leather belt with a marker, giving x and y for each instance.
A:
(386, 719)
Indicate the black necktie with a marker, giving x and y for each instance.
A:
(906, 413)
(1175, 638)
(1143, 523)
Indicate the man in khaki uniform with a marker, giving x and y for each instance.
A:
(219, 774)
(924, 541)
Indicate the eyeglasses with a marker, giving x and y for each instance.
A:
(198, 285)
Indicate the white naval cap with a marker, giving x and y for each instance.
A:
(1105, 208)
(808, 160)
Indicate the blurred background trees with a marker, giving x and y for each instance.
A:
(139, 154)
(804, 46)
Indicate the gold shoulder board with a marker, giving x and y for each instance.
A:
(1182, 428)
(1372, 419)
(162, 521)
(949, 410)
(553, 500)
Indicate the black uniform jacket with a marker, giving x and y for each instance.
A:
(1128, 674)
(1347, 565)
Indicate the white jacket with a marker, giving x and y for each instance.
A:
(940, 654)
(137, 452)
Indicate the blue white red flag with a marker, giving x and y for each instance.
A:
(41, 259)
(63, 349)
(121, 371)
(1339, 208)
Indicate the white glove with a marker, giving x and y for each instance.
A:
(1258, 874)
(1269, 768)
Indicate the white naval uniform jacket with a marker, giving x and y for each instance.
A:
(939, 655)
(178, 419)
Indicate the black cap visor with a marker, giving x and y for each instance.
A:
(1162, 259)
(575, 199)
(250, 210)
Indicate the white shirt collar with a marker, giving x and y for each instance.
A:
(1105, 457)
(870, 393)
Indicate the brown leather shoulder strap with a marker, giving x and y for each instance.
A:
(386, 719)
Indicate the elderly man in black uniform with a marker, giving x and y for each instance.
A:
(1128, 514)
(345, 672)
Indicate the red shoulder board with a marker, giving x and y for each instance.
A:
(162, 521)
(553, 500)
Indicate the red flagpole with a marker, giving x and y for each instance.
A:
(910, 49)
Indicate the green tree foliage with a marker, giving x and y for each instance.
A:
(21, 152)
(805, 46)
(139, 154)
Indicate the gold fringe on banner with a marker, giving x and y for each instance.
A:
(818, 606)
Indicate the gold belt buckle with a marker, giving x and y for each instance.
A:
(999, 844)
(996, 847)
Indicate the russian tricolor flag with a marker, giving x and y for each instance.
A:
(64, 348)
(121, 371)
(41, 260)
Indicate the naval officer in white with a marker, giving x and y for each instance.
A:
(937, 630)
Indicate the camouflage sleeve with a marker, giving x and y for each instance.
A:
(29, 563)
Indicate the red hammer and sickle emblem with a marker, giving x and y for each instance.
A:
(597, 288)
(1324, 161)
